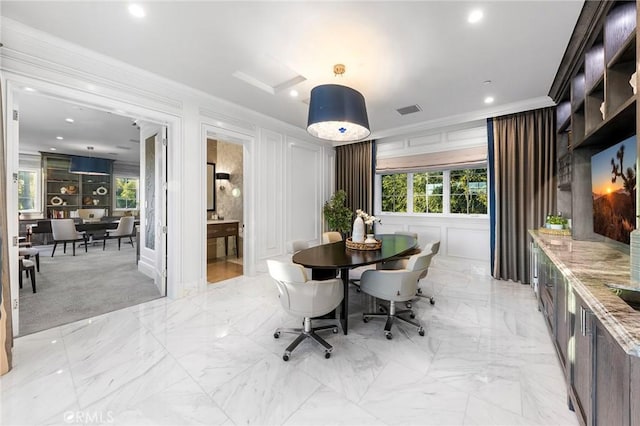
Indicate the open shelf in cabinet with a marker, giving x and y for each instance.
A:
(620, 124)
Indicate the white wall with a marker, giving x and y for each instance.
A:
(283, 200)
(461, 236)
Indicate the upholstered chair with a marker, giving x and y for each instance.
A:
(305, 298)
(64, 231)
(431, 247)
(124, 230)
(29, 267)
(331, 237)
(397, 285)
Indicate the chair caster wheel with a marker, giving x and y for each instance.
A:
(365, 319)
(389, 336)
(421, 332)
(408, 305)
(335, 331)
(276, 335)
(327, 355)
(412, 315)
(432, 301)
(285, 357)
(419, 290)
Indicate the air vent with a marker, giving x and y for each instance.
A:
(134, 141)
(126, 148)
(409, 109)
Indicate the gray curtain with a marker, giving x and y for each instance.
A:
(525, 186)
(6, 334)
(354, 174)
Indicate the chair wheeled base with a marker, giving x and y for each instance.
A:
(432, 300)
(391, 314)
(304, 333)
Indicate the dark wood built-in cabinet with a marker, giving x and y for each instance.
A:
(67, 192)
(596, 106)
(603, 380)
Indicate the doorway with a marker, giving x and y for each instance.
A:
(95, 281)
(225, 210)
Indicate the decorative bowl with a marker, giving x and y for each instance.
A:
(363, 246)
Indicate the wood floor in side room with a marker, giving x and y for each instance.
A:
(223, 268)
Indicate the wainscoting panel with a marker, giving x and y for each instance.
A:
(305, 209)
(270, 222)
(469, 243)
(460, 237)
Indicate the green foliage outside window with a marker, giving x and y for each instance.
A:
(468, 189)
(27, 190)
(126, 193)
(427, 192)
(394, 193)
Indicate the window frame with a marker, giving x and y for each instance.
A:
(446, 195)
(38, 196)
(115, 192)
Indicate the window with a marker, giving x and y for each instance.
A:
(427, 192)
(468, 191)
(126, 193)
(460, 191)
(394, 193)
(28, 190)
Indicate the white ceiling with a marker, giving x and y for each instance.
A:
(396, 53)
(42, 120)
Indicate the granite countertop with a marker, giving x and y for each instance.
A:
(216, 221)
(589, 266)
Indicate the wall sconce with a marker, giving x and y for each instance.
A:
(222, 176)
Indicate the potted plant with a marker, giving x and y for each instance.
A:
(337, 215)
(556, 222)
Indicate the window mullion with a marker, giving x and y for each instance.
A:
(409, 192)
(446, 192)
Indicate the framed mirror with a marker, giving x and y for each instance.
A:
(211, 187)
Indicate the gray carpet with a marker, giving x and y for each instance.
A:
(89, 284)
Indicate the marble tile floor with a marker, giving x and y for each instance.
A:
(486, 359)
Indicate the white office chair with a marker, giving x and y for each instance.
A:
(432, 247)
(124, 229)
(398, 285)
(64, 231)
(435, 248)
(306, 298)
(331, 237)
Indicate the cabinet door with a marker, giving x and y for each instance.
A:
(561, 318)
(581, 365)
(634, 390)
(546, 285)
(611, 379)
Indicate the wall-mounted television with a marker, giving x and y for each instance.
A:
(613, 187)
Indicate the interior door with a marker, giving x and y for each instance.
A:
(153, 212)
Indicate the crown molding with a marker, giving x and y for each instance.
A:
(525, 105)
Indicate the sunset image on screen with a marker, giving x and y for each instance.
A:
(613, 186)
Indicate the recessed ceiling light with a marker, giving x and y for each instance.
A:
(69, 120)
(136, 10)
(293, 93)
(29, 89)
(52, 149)
(59, 138)
(488, 100)
(475, 16)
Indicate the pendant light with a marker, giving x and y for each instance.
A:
(337, 113)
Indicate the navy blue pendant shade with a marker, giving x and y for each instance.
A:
(337, 113)
(89, 165)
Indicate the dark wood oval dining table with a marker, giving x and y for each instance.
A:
(325, 259)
